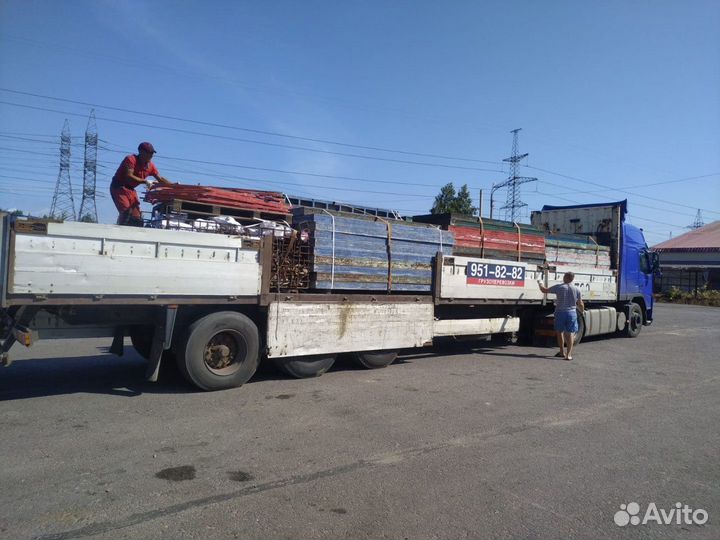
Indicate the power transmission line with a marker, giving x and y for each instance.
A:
(253, 141)
(287, 171)
(635, 203)
(561, 175)
(675, 181)
(250, 130)
(633, 217)
(295, 187)
(251, 167)
(432, 185)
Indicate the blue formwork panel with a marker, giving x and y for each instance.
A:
(348, 242)
(351, 252)
(399, 274)
(357, 286)
(376, 228)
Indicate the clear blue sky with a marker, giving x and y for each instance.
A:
(611, 95)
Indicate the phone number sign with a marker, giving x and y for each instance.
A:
(506, 275)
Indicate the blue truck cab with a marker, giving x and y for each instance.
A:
(637, 268)
(631, 260)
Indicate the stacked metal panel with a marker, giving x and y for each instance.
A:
(576, 250)
(490, 238)
(351, 252)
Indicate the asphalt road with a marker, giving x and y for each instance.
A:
(470, 442)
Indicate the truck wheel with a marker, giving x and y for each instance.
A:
(577, 338)
(305, 367)
(141, 338)
(375, 359)
(634, 320)
(219, 351)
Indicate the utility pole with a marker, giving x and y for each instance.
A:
(698, 221)
(88, 210)
(512, 202)
(63, 204)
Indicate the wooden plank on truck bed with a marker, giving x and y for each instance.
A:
(196, 209)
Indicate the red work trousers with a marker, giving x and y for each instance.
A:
(127, 204)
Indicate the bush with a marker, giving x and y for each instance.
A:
(704, 297)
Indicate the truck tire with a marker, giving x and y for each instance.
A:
(634, 320)
(219, 351)
(305, 367)
(375, 359)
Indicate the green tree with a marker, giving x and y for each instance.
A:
(463, 202)
(62, 216)
(87, 218)
(444, 200)
(449, 202)
(15, 212)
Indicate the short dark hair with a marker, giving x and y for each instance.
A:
(569, 277)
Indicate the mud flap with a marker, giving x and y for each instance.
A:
(162, 340)
(118, 343)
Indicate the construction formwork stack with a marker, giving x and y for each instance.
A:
(576, 250)
(356, 253)
(491, 238)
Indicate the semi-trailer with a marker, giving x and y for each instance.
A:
(213, 303)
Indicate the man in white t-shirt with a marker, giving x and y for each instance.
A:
(568, 301)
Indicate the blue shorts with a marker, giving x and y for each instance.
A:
(566, 321)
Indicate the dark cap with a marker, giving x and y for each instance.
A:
(146, 147)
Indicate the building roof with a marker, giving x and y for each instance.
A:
(704, 239)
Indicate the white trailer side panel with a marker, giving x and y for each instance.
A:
(596, 285)
(470, 327)
(107, 260)
(305, 328)
(456, 284)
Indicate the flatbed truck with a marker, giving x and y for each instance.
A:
(205, 300)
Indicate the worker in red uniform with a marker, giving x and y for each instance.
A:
(132, 172)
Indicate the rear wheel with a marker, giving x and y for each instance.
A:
(219, 351)
(634, 320)
(305, 367)
(375, 359)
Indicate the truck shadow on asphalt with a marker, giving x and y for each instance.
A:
(456, 348)
(125, 376)
(101, 374)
